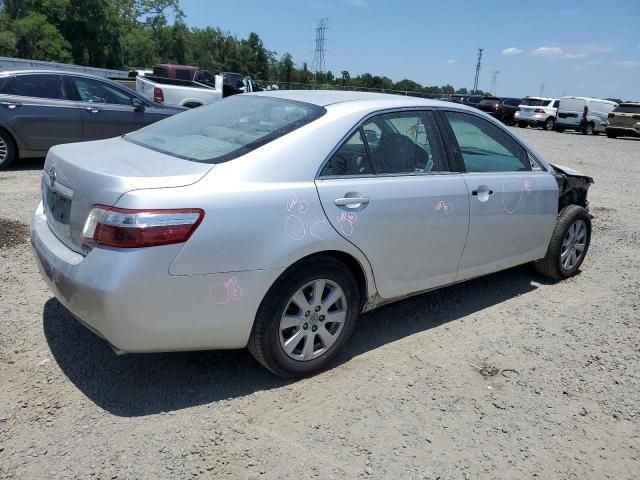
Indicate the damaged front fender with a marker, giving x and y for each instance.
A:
(573, 186)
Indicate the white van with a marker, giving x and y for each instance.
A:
(588, 115)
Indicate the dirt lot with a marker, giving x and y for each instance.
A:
(405, 400)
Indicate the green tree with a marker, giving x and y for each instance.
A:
(37, 39)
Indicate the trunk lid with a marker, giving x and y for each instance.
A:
(79, 175)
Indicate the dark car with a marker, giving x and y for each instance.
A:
(39, 109)
(503, 109)
(473, 100)
(456, 98)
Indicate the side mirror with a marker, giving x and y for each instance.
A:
(138, 106)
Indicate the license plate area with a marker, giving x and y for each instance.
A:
(58, 211)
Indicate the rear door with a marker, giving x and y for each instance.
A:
(388, 189)
(108, 110)
(512, 206)
(38, 109)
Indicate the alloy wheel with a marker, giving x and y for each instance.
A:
(573, 245)
(313, 320)
(4, 150)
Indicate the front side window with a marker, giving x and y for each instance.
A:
(39, 86)
(95, 91)
(350, 159)
(556, 104)
(485, 147)
(405, 143)
(226, 129)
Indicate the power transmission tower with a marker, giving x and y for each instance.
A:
(318, 65)
(542, 85)
(478, 65)
(494, 80)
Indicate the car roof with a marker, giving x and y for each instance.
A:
(323, 98)
(8, 73)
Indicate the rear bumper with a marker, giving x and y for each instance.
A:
(537, 119)
(128, 297)
(624, 132)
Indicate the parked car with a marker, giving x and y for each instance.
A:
(39, 109)
(473, 100)
(503, 109)
(456, 98)
(191, 87)
(537, 112)
(624, 121)
(584, 114)
(271, 220)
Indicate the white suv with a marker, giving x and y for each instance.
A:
(537, 111)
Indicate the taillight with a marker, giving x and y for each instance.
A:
(538, 110)
(129, 228)
(158, 95)
(611, 115)
(585, 111)
(497, 106)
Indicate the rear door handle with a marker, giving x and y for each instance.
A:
(92, 109)
(351, 202)
(475, 193)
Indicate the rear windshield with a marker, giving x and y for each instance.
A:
(226, 129)
(475, 99)
(514, 102)
(534, 102)
(491, 100)
(627, 109)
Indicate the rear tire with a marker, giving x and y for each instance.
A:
(549, 124)
(7, 150)
(284, 337)
(589, 129)
(568, 245)
(611, 134)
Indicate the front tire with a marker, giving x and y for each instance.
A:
(306, 318)
(7, 150)
(589, 129)
(569, 244)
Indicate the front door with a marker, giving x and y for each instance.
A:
(512, 207)
(107, 110)
(389, 190)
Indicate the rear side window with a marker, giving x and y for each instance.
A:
(485, 147)
(226, 129)
(350, 159)
(39, 86)
(627, 109)
(407, 143)
(161, 71)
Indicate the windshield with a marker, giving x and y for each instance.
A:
(226, 129)
(627, 109)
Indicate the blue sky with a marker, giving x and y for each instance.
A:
(585, 47)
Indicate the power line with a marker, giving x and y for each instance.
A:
(318, 65)
(478, 65)
(494, 80)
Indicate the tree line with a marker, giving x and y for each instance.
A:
(123, 34)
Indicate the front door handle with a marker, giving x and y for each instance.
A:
(92, 109)
(10, 105)
(482, 193)
(351, 202)
(475, 193)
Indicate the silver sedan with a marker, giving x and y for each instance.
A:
(271, 220)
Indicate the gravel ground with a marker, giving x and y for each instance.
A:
(406, 400)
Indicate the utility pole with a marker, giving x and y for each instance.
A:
(318, 65)
(478, 65)
(494, 80)
(542, 85)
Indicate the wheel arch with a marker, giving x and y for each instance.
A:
(365, 285)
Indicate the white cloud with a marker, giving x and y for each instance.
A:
(628, 63)
(574, 55)
(553, 52)
(451, 62)
(512, 51)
